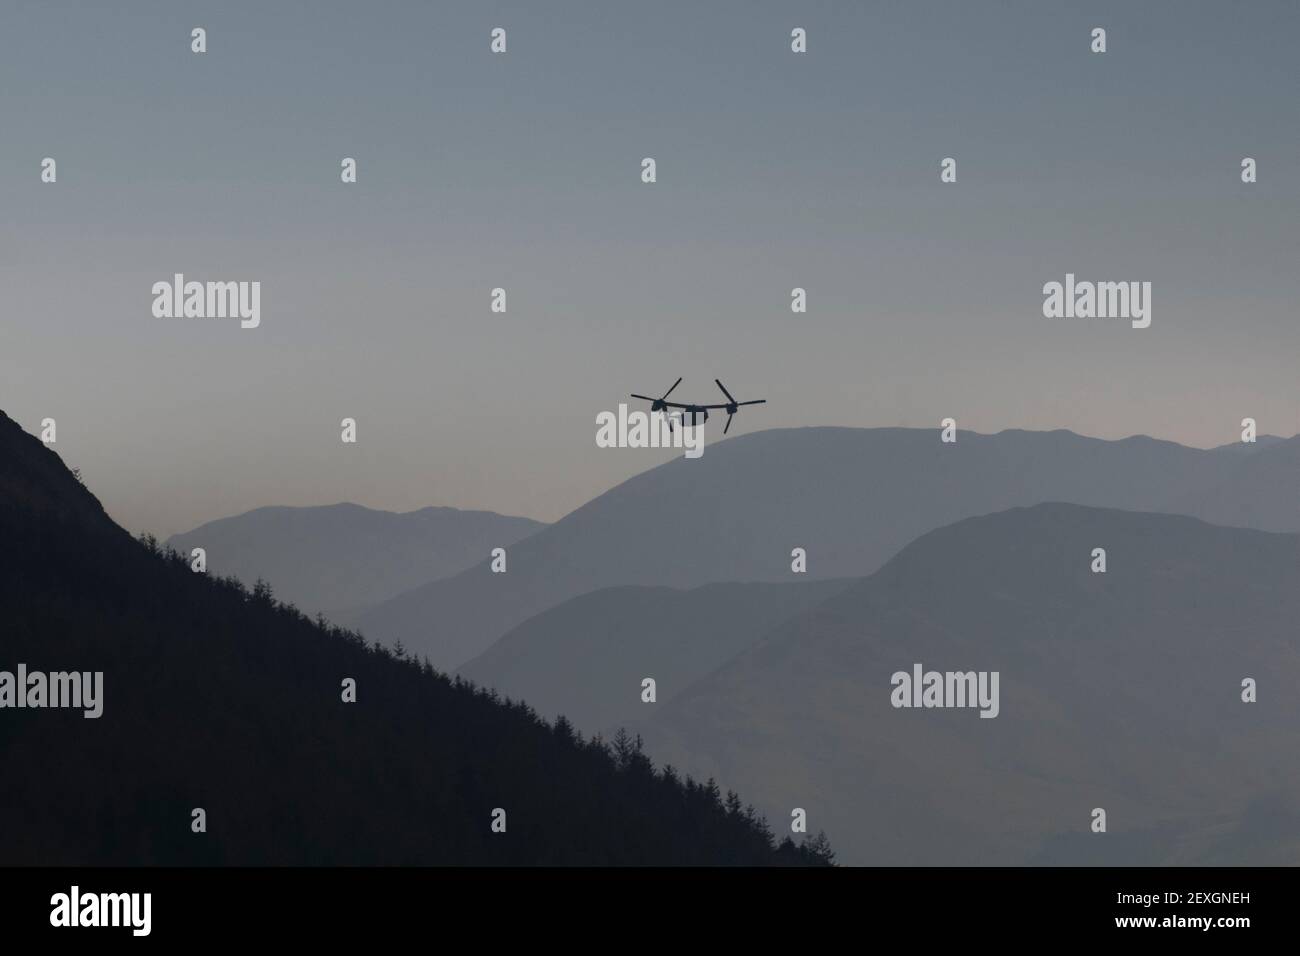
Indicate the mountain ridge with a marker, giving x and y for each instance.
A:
(850, 497)
(1118, 689)
(587, 658)
(218, 699)
(345, 556)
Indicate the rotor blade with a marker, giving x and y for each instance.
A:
(675, 384)
(727, 426)
(757, 401)
(725, 392)
(644, 397)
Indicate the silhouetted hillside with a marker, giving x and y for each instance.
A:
(851, 497)
(218, 698)
(1120, 690)
(339, 558)
(586, 658)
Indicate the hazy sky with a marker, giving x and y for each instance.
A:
(522, 170)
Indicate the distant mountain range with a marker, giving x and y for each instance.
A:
(221, 699)
(1119, 690)
(851, 497)
(339, 558)
(586, 659)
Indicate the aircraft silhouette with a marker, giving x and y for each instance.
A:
(731, 405)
